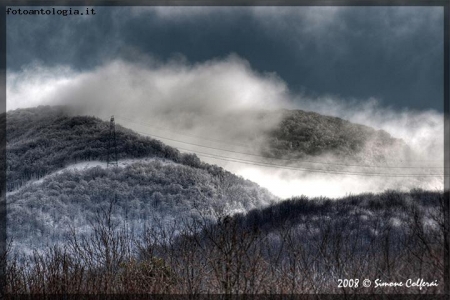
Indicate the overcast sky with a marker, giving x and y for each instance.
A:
(392, 54)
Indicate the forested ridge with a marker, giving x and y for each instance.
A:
(300, 134)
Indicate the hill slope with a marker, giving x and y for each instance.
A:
(300, 134)
(164, 184)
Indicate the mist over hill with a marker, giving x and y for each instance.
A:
(226, 109)
(44, 139)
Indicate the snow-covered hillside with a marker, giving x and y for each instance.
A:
(58, 180)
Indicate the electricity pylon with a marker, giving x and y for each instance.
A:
(112, 143)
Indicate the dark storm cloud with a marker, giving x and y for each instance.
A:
(78, 41)
(392, 53)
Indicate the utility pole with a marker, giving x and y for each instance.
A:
(112, 154)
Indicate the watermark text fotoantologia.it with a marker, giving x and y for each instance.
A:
(51, 11)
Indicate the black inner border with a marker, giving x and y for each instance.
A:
(442, 3)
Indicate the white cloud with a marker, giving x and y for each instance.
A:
(36, 85)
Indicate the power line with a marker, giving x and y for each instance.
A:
(271, 165)
(285, 159)
(262, 164)
(256, 155)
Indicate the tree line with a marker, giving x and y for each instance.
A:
(291, 248)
